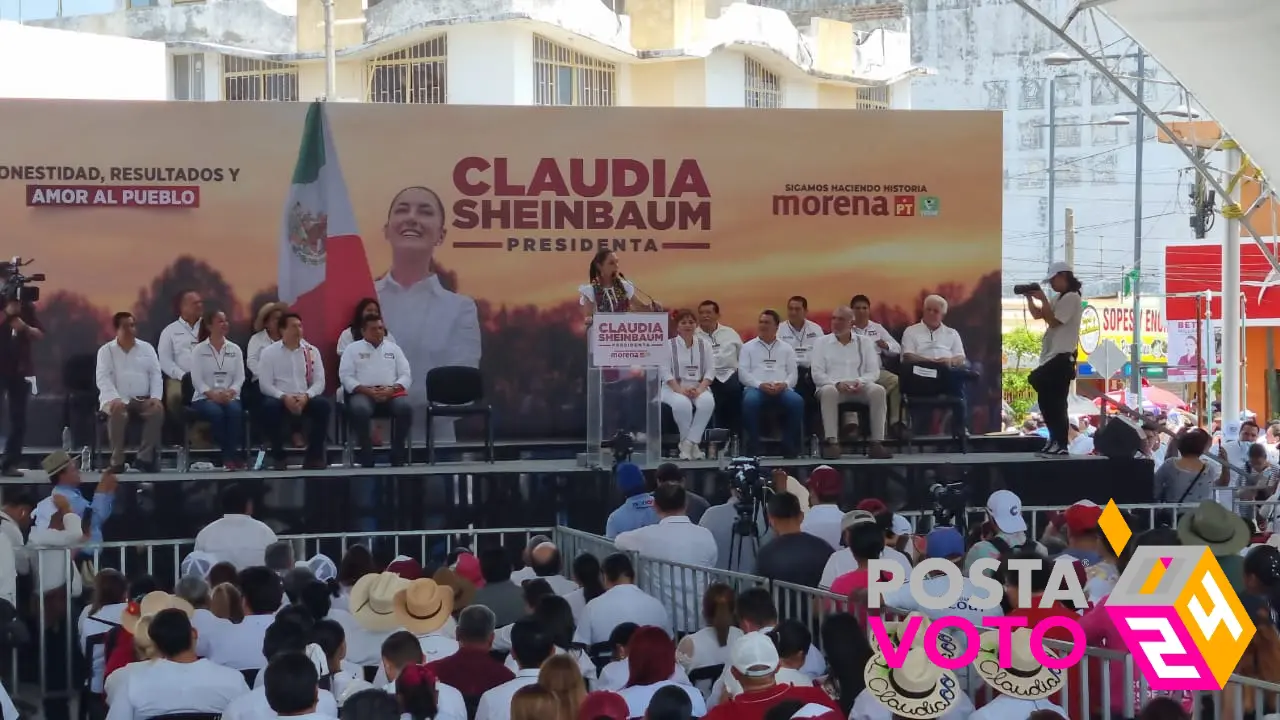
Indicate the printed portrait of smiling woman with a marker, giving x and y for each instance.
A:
(433, 326)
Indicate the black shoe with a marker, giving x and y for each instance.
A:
(1048, 445)
(1053, 449)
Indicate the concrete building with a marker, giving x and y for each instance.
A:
(989, 55)
(54, 64)
(689, 53)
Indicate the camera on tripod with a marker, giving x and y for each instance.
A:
(949, 503)
(1026, 289)
(16, 286)
(748, 481)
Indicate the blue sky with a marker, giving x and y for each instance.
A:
(44, 9)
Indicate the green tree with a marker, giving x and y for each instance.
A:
(1019, 343)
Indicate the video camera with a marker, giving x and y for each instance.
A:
(622, 445)
(748, 481)
(1026, 289)
(16, 286)
(949, 503)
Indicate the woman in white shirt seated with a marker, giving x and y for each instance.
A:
(614, 676)
(110, 595)
(686, 384)
(652, 658)
(556, 617)
(266, 330)
(367, 307)
(709, 647)
(586, 572)
(217, 375)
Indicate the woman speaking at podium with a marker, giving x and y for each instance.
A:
(608, 291)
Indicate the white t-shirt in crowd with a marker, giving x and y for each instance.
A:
(823, 521)
(254, 706)
(450, 705)
(238, 539)
(843, 562)
(1063, 338)
(496, 703)
(620, 604)
(639, 696)
(239, 645)
(165, 687)
(616, 675)
(676, 539)
(1082, 445)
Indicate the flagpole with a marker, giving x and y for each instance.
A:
(330, 55)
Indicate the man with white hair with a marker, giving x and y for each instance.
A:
(846, 367)
(933, 355)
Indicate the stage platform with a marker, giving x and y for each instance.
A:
(545, 490)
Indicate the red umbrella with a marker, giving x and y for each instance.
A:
(1150, 396)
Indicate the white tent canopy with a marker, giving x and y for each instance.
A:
(1225, 53)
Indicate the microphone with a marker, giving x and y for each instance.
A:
(644, 295)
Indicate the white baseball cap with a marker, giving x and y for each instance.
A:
(1005, 509)
(901, 526)
(1055, 268)
(754, 655)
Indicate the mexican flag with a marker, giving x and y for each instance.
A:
(323, 271)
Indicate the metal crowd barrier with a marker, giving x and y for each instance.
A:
(679, 586)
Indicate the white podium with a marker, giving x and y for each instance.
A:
(625, 352)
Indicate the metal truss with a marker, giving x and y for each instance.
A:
(1086, 11)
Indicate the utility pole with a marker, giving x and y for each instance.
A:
(1053, 173)
(1135, 348)
(1231, 291)
(330, 54)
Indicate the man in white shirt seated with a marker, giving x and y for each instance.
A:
(15, 517)
(375, 374)
(179, 682)
(675, 539)
(547, 563)
(423, 608)
(129, 385)
(239, 646)
(1078, 442)
(292, 686)
(531, 645)
(933, 356)
(846, 368)
(824, 516)
(768, 371)
(177, 340)
(726, 344)
(802, 334)
(622, 602)
(886, 346)
(236, 537)
(291, 376)
(405, 668)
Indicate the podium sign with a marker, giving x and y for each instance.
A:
(627, 340)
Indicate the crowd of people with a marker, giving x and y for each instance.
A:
(251, 631)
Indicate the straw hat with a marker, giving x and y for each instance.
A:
(151, 604)
(1212, 524)
(464, 591)
(918, 689)
(372, 601)
(1025, 678)
(946, 645)
(423, 607)
(260, 320)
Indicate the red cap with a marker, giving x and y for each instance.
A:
(824, 481)
(407, 568)
(1082, 516)
(601, 704)
(873, 506)
(469, 567)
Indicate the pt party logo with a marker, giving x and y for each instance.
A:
(1173, 606)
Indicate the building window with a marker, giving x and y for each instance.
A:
(1069, 172)
(1066, 91)
(1103, 134)
(997, 92)
(1033, 175)
(251, 79)
(1032, 95)
(873, 98)
(564, 76)
(414, 75)
(188, 77)
(1104, 169)
(1102, 90)
(1067, 128)
(1031, 134)
(764, 87)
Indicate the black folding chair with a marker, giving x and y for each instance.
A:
(706, 675)
(457, 391)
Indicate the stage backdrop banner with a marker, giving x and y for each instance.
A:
(478, 224)
(630, 340)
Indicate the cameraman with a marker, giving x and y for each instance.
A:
(1052, 378)
(15, 367)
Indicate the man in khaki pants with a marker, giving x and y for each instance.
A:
(129, 384)
(846, 368)
(176, 341)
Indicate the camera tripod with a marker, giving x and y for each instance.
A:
(746, 528)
